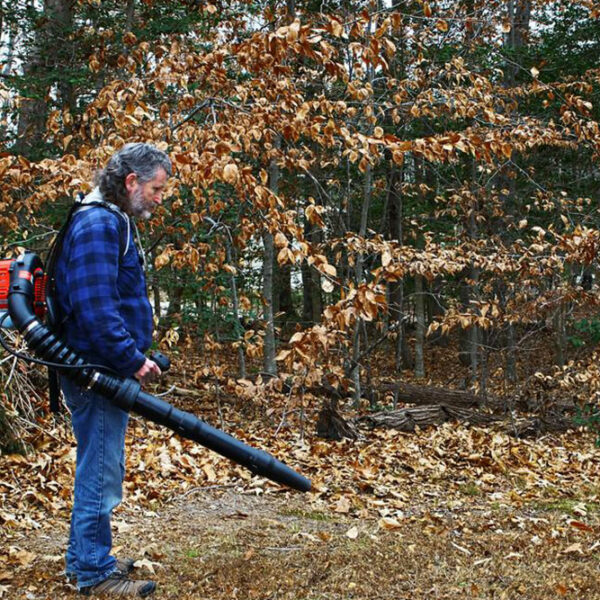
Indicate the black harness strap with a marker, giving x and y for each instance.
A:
(54, 320)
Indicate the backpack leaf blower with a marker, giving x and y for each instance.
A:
(22, 295)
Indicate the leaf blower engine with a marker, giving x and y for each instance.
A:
(23, 300)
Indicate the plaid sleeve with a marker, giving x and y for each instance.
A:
(92, 275)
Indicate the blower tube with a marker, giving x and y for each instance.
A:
(126, 392)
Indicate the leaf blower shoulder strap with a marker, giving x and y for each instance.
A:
(55, 249)
(54, 319)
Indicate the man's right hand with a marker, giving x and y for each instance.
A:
(149, 371)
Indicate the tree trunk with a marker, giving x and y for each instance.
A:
(155, 285)
(307, 306)
(518, 13)
(238, 328)
(511, 354)
(175, 299)
(312, 301)
(270, 365)
(409, 393)
(421, 327)
(518, 18)
(62, 26)
(51, 51)
(331, 425)
(408, 419)
(291, 9)
(395, 211)
(129, 15)
(559, 323)
(364, 218)
(474, 337)
(282, 300)
(6, 70)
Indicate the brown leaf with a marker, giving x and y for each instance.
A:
(231, 173)
(343, 505)
(389, 523)
(573, 549)
(581, 526)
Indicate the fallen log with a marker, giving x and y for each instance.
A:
(408, 419)
(537, 426)
(409, 393)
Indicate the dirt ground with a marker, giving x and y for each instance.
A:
(224, 543)
(449, 513)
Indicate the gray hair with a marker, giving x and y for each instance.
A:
(139, 158)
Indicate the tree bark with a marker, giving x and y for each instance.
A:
(307, 306)
(129, 15)
(364, 218)
(155, 285)
(559, 323)
(238, 328)
(270, 365)
(425, 394)
(395, 212)
(331, 425)
(421, 327)
(283, 302)
(519, 13)
(175, 300)
(50, 51)
(6, 70)
(511, 354)
(408, 419)
(291, 9)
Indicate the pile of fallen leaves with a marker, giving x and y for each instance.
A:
(386, 483)
(464, 510)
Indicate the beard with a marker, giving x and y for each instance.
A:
(138, 207)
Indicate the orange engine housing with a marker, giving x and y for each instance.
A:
(39, 286)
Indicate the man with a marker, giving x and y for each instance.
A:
(107, 318)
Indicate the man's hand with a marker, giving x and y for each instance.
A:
(149, 371)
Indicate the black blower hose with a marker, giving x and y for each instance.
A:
(126, 392)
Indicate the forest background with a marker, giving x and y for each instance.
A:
(382, 214)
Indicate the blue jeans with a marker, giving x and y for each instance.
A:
(99, 428)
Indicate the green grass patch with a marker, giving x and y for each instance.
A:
(312, 515)
(567, 506)
(469, 489)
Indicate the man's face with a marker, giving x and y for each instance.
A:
(145, 197)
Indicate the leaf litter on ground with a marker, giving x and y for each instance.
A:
(444, 512)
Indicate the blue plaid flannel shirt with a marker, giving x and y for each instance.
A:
(102, 295)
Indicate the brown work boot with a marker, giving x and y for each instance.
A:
(119, 586)
(124, 565)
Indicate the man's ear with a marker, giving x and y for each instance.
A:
(131, 182)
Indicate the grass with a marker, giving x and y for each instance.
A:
(469, 489)
(312, 515)
(568, 506)
(281, 549)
